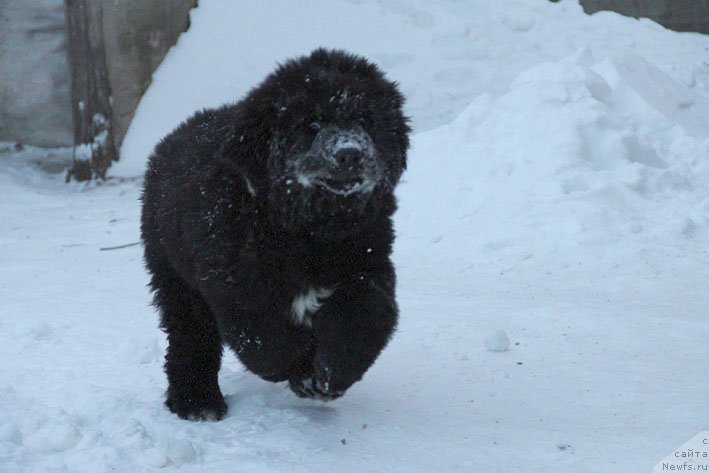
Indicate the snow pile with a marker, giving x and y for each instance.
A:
(497, 341)
(444, 54)
(581, 160)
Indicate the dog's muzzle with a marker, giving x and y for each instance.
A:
(341, 160)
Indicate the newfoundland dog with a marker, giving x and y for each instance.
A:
(267, 227)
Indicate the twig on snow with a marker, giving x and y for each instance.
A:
(109, 248)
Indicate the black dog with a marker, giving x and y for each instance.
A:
(267, 227)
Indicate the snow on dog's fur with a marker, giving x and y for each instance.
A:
(249, 208)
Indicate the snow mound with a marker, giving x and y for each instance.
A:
(580, 160)
(443, 54)
(497, 341)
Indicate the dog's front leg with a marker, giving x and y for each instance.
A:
(351, 329)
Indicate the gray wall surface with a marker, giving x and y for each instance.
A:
(34, 74)
(35, 92)
(680, 15)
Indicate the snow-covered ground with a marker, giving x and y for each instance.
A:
(558, 189)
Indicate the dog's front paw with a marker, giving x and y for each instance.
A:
(197, 406)
(332, 377)
(310, 387)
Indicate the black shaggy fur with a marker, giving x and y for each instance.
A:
(250, 205)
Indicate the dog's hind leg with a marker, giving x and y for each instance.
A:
(194, 352)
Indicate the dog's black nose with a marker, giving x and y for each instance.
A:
(349, 159)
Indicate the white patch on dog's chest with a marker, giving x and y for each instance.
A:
(306, 304)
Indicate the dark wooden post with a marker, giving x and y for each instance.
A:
(92, 114)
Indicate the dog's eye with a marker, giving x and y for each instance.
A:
(315, 126)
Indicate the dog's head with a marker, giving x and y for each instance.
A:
(337, 143)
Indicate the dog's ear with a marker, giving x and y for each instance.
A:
(245, 149)
(403, 132)
(230, 165)
(403, 123)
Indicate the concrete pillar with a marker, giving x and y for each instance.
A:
(35, 95)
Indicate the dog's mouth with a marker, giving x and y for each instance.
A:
(343, 186)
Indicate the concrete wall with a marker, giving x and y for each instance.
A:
(35, 93)
(680, 15)
(34, 74)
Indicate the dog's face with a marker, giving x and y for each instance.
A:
(338, 147)
(340, 160)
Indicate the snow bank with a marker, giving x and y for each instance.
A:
(582, 159)
(444, 54)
